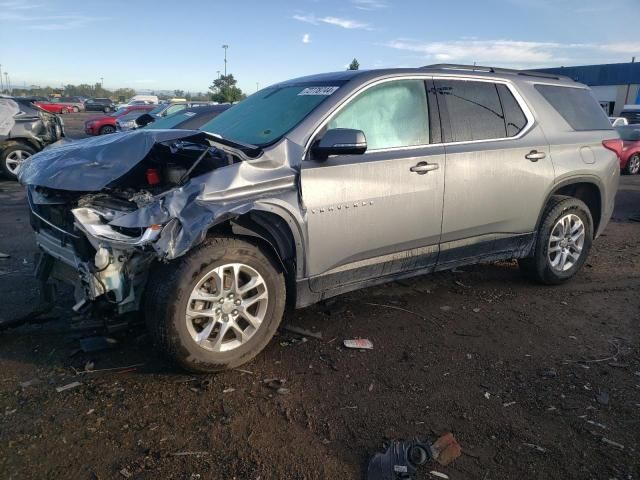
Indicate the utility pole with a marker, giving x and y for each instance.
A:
(218, 74)
(1, 83)
(225, 58)
(6, 81)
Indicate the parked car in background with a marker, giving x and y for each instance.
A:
(618, 121)
(107, 124)
(191, 118)
(630, 158)
(160, 111)
(321, 185)
(631, 113)
(141, 100)
(24, 130)
(105, 105)
(77, 102)
(56, 107)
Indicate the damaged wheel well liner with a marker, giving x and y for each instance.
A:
(270, 231)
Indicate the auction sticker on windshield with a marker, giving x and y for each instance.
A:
(318, 91)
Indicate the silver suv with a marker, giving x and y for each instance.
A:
(318, 186)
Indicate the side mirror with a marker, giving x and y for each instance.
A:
(144, 120)
(340, 141)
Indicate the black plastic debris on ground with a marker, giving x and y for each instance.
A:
(399, 461)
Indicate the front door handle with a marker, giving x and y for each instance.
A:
(423, 167)
(534, 155)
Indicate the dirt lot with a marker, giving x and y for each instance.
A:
(530, 379)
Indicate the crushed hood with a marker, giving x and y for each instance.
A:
(92, 164)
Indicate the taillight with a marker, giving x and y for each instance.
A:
(153, 177)
(615, 145)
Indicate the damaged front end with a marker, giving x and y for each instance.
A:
(106, 208)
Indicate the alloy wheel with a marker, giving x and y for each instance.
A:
(227, 307)
(634, 164)
(566, 242)
(15, 159)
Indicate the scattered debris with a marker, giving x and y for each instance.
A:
(445, 308)
(277, 385)
(612, 443)
(4, 255)
(282, 391)
(403, 310)
(618, 364)
(402, 457)
(96, 344)
(603, 398)
(229, 390)
(487, 395)
(438, 474)
(302, 331)
(187, 454)
(248, 372)
(359, 343)
(446, 449)
(549, 372)
(129, 368)
(68, 386)
(476, 310)
(89, 366)
(508, 404)
(535, 447)
(460, 284)
(29, 383)
(596, 424)
(371, 387)
(126, 473)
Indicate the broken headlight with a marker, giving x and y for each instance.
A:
(95, 224)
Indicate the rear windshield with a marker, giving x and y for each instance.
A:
(577, 106)
(629, 133)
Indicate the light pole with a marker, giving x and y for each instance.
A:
(225, 58)
(1, 83)
(6, 81)
(218, 74)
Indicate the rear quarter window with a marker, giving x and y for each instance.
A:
(577, 106)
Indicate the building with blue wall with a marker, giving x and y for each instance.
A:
(614, 84)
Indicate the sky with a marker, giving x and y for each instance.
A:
(158, 44)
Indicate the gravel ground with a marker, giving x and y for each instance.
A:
(534, 382)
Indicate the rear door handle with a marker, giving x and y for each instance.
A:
(534, 155)
(423, 167)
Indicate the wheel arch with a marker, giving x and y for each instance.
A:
(276, 230)
(587, 189)
(10, 142)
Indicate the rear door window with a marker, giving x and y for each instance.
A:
(514, 118)
(474, 110)
(392, 114)
(577, 106)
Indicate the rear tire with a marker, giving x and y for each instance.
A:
(196, 341)
(12, 157)
(560, 251)
(106, 110)
(633, 165)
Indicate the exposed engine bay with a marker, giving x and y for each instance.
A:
(102, 218)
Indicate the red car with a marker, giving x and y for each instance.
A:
(630, 157)
(57, 107)
(107, 124)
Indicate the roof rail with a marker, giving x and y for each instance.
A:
(480, 68)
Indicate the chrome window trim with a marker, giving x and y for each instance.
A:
(432, 76)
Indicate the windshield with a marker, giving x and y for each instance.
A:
(267, 115)
(157, 110)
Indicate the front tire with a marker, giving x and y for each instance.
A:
(106, 130)
(563, 242)
(217, 307)
(633, 165)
